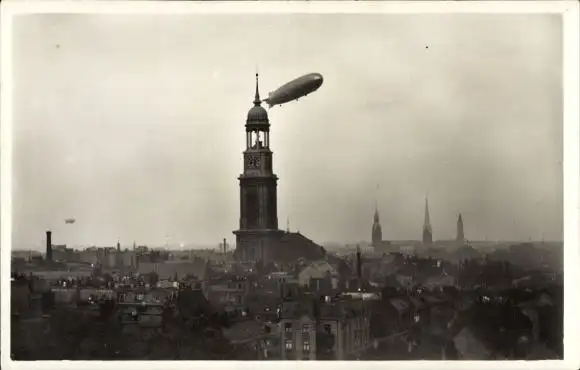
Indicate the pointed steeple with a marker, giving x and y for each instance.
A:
(376, 217)
(460, 234)
(257, 100)
(427, 223)
(377, 231)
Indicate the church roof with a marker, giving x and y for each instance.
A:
(257, 114)
(294, 245)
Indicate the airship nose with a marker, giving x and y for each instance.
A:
(317, 78)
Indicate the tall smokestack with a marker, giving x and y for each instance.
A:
(225, 247)
(460, 234)
(358, 263)
(48, 245)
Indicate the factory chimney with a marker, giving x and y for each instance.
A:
(358, 263)
(49, 245)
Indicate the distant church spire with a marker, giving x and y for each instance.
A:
(377, 232)
(427, 230)
(376, 218)
(460, 234)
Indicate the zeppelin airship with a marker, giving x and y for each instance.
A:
(295, 89)
(69, 220)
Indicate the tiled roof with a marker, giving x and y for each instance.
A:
(470, 347)
(399, 304)
(244, 330)
(292, 244)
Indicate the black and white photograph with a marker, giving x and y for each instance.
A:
(288, 182)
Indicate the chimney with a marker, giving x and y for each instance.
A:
(225, 247)
(49, 245)
(358, 262)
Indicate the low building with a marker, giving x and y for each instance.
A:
(258, 341)
(312, 329)
(148, 296)
(176, 270)
(316, 272)
(226, 296)
(148, 315)
(54, 275)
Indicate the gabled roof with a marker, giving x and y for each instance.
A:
(440, 281)
(292, 244)
(470, 347)
(399, 304)
(244, 330)
(320, 265)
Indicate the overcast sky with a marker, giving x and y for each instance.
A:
(134, 125)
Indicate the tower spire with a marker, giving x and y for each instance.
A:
(427, 224)
(376, 216)
(377, 199)
(257, 100)
(377, 232)
(460, 233)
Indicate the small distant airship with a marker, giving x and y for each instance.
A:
(69, 220)
(295, 89)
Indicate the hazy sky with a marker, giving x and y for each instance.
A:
(134, 125)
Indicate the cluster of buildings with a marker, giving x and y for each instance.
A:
(280, 294)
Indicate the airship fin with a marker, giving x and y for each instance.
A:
(267, 100)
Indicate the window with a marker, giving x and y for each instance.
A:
(289, 345)
(288, 327)
(305, 328)
(327, 329)
(306, 347)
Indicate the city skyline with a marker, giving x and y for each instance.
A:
(126, 126)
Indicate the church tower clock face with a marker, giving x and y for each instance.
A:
(253, 161)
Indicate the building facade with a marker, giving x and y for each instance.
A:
(329, 330)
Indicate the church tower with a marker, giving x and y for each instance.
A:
(460, 234)
(258, 225)
(377, 232)
(427, 230)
